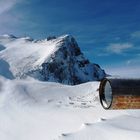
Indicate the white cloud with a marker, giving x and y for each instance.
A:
(8, 20)
(6, 5)
(118, 47)
(129, 68)
(127, 71)
(136, 34)
(133, 61)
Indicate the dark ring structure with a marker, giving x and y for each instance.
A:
(120, 93)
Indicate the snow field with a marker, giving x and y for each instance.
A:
(33, 110)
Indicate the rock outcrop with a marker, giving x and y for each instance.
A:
(69, 66)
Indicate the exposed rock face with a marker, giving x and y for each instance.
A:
(69, 66)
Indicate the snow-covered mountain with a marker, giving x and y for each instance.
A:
(53, 59)
(35, 110)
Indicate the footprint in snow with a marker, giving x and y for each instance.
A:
(65, 134)
(88, 124)
(101, 119)
(71, 103)
(50, 100)
(83, 103)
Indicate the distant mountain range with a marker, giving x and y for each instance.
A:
(52, 59)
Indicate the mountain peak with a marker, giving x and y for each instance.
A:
(69, 66)
(58, 59)
(66, 37)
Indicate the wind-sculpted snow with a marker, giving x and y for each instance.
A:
(33, 110)
(56, 60)
(120, 128)
(37, 93)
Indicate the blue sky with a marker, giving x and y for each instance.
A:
(107, 31)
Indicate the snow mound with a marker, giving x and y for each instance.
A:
(30, 92)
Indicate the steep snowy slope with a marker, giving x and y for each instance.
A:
(24, 55)
(33, 110)
(59, 60)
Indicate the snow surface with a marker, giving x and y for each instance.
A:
(34, 110)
